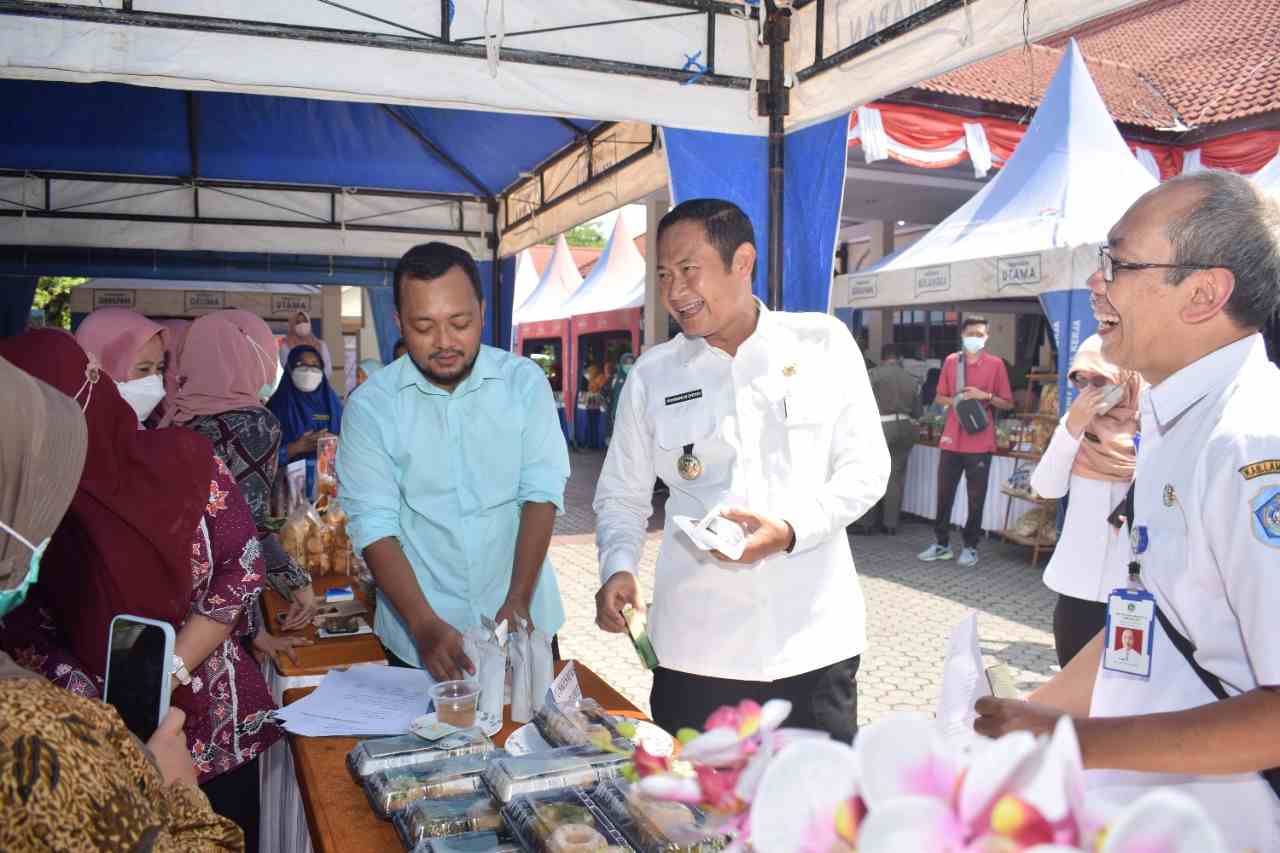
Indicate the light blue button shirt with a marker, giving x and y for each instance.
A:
(447, 475)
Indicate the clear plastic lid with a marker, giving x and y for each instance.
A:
(557, 821)
(579, 725)
(565, 767)
(472, 842)
(390, 753)
(391, 791)
(443, 818)
(655, 826)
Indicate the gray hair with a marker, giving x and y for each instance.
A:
(1234, 225)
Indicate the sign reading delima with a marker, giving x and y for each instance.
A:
(114, 298)
(1017, 270)
(289, 304)
(862, 287)
(205, 300)
(933, 279)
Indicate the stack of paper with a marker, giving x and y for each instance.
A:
(369, 699)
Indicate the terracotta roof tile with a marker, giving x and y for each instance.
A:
(1194, 61)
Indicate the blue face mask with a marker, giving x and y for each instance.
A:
(11, 598)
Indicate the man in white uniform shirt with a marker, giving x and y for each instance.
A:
(1189, 276)
(770, 417)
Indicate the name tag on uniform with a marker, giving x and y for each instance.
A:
(1131, 615)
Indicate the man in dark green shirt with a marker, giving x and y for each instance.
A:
(898, 398)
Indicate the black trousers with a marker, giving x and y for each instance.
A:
(976, 468)
(1075, 622)
(825, 699)
(235, 795)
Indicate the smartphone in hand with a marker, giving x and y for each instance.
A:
(139, 667)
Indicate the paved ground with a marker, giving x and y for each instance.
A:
(911, 608)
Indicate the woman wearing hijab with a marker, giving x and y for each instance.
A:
(1093, 456)
(89, 772)
(175, 335)
(307, 408)
(131, 349)
(227, 371)
(301, 334)
(159, 529)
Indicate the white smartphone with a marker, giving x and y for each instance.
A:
(139, 666)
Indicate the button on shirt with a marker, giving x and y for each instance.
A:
(788, 428)
(447, 475)
(1208, 492)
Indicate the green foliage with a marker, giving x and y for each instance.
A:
(53, 294)
(585, 236)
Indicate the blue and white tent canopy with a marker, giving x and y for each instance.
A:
(1035, 226)
(617, 279)
(1268, 178)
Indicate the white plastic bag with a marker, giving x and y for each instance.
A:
(541, 668)
(486, 646)
(520, 652)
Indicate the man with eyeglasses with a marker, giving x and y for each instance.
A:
(1188, 277)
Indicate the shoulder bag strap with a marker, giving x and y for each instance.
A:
(959, 372)
(1211, 681)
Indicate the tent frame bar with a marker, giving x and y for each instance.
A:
(439, 153)
(213, 183)
(413, 44)
(822, 64)
(593, 177)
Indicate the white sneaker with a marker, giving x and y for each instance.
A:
(935, 552)
(968, 557)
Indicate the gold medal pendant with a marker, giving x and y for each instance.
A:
(689, 466)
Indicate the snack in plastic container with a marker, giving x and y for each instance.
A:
(393, 790)
(443, 818)
(456, 702)
(472, 842)
(390, 753)
(582, 724)
(566, 767)
(655, 826)
(562, 822)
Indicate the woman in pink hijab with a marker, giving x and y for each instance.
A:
(131, 349)
(301, 335)
(225, 370)
(177, 333)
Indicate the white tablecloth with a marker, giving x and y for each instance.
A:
(920, 494)
(284, 819)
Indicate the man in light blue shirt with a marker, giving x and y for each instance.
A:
(452, 469)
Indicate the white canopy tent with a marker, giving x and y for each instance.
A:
(560, 281)
(1035, 226)
(617, 279)
(677, 63)
(526, 279)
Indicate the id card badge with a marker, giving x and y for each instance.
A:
(1131, 616)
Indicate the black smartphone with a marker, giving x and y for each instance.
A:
(139, 666)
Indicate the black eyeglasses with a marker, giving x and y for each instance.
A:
(1109, 265)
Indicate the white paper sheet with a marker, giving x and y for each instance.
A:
(369, 699)
(964, 681)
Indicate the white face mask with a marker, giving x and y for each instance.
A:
(307, 379)
(303, 330)
(974, 343)
(142, 395)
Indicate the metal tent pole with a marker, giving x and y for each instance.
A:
(495, 288)
(775, 103)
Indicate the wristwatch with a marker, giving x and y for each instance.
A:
(180, 671)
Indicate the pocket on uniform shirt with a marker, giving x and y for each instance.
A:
(678, 428)
(807, 417)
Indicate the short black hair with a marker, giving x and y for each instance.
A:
(889, 351)
(973, 320)
(432, 260)
(726, 225)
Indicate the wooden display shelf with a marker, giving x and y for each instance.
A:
(323, 655)
(1027, 496)
(1029, 541)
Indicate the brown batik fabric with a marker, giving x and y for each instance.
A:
(73, 778)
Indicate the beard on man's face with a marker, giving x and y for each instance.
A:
(459, 366)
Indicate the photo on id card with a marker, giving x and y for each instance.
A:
(1130, 616)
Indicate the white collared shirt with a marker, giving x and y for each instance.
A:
(1212, 563)
(788, 428)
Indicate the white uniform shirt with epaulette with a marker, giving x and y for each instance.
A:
(1208, 493)
(788, 428)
